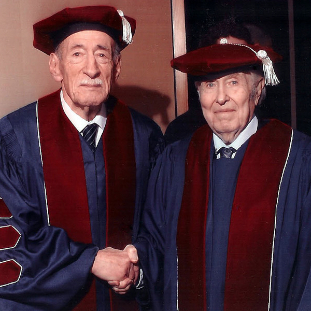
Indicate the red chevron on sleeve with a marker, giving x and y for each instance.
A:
(10, 272)
(9, 237)
(4, 211)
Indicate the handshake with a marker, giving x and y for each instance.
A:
(118, 267)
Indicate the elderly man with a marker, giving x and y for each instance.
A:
(80, 160)
(227, 216)
(234, 32)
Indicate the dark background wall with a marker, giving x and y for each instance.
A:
(303, 63)
(272, 18)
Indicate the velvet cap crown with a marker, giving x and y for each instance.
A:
(222, 58)
(48, 33)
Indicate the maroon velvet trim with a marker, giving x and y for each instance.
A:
(8, 237)
(4, 211)
(192, 223)
(64, 177)
(9, 272)
(120, 165)
(252, 219)
(63, 170)
(250, 242)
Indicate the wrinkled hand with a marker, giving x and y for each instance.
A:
(118, 267)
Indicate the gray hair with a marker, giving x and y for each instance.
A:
(256, 79)
(116, 53)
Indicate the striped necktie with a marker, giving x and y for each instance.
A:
(89, 134)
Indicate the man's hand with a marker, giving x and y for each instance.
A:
(123, 286)
(118, 267)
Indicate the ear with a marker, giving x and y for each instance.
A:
(259, 88)
(197, 84)
(54, 64)
(117, 69)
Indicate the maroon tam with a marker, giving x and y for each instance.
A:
(51, 31)
(220, 58)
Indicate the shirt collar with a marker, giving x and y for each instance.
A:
(250, 129)
(78, 122)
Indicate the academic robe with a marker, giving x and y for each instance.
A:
(259, 247)
(61, 202)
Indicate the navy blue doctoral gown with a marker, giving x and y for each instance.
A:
(51, 270)
(291, 260)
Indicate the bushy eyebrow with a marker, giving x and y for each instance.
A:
(77, 46)
(99, 47)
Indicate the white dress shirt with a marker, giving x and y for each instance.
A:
(250, 129)
(79, 123)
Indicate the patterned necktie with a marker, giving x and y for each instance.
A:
(225, 152)
(89, 134)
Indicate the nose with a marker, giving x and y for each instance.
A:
(91, 67)
(222, 96)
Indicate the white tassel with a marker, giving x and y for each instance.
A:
(267, 66)
(270, 76)
(127, 31)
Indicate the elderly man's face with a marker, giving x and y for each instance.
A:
(228, 103)
(85, 67)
